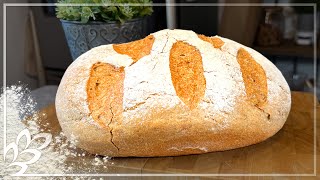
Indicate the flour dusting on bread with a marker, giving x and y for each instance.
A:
(181, 93)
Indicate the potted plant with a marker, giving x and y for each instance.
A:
(86, 27)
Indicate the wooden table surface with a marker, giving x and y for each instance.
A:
(290, 151)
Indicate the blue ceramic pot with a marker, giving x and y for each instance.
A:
(82, 37)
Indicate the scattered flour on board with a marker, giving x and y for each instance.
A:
(60, 157)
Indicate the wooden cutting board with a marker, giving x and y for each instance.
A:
(290, 151)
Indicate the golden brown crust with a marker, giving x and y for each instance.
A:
(136, 49)
(182, 135)
(105, 93)
(187, 73)
(143, 114)
(215, 41)
(254, 77)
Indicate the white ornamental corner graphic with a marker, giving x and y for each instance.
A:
(36, 152)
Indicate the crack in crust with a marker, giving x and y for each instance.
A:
(137, 105)
(266, 113)
(111, 129)
(165, 44)
(105, 91)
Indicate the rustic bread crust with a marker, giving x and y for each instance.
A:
(156, 120)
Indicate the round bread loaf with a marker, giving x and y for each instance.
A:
(172, 93)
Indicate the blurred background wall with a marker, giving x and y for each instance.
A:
(16, 19)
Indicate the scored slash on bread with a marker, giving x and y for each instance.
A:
(187, 73)
(136, 49)
(172, 93)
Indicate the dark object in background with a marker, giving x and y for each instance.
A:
(270, 31)
(299, 81)
(200, 19)
(268, 35)
(305, 9)
(157, 21)
(240, 23)
(305, 35)
(49, 10)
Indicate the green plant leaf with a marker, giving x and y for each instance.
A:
(103, 13)
(86, 14)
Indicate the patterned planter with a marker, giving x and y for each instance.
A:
(82, 37)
